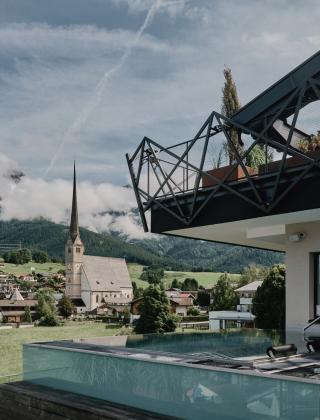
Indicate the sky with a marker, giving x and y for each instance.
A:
(88, 79)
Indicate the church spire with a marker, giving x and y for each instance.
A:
(74, 225)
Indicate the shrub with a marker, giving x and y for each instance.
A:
(49, 320)
(193, 310)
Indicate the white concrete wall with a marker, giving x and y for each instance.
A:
(300, 274)
(181, 311)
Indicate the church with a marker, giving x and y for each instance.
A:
(92, 281)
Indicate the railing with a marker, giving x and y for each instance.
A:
(224, 156)
(11, 378)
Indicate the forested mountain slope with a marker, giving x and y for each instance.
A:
(40, 234)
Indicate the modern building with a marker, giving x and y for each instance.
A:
(91, 280)
(263, 192)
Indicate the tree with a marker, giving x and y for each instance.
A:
(155, 313)
(49, 320)
(40, 257)
(269, 304)
(25, 255)
(56, 260)
(193, 311)
(138, 292)
(175, 284)
(6, 256)
(46, 303)
(224, 297)
(126, 311)
(66, 306)
(15, 258)
(189, 284)
(61, 271)
(252, 273)
(27, 285)
(153, 279)
(230, 105)
(203, 298)
(27, 314)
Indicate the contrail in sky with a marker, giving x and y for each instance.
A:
(96, 97)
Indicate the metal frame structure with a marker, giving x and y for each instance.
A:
(306, 92)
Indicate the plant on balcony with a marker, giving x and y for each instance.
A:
(309, 144)
(230, 105)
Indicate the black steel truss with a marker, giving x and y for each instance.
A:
(149, 153)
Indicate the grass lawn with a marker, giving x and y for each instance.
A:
(26, 268)
(11, 348)
(204, 279)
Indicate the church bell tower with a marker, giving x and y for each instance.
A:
(74, 250)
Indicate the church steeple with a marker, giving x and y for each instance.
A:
(74, 224)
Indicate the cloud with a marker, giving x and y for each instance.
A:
(97, 204)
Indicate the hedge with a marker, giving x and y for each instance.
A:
(113, 320)
(196, 318)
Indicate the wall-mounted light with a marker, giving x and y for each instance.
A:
(297, 236)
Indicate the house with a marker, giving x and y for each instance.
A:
(44, 276)
(2, 264)
(183, 304)
(91, 279)
(14, 308)
(23, 277)
(43, 285)
(245, 295)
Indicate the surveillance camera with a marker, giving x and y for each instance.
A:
(302, 235)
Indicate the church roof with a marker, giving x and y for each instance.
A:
(74, 225)
(106, 274)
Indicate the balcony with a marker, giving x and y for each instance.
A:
(245, 301)
(234, 171)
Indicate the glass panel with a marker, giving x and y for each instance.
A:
(93, 375)
(180, 391)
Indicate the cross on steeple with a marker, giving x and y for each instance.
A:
(74, 224)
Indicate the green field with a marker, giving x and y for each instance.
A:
(26, 268)
(204, 279)
(11, 348)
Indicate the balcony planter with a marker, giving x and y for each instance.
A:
(220, 173)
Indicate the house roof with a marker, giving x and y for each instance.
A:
(251, 287)
(211, 286)
(16, 295)
(140, 298)
(106, 274)
(16, 313)
(185, 295)
(17, 303)
(79, 303)
(183, 301)
(114, 300)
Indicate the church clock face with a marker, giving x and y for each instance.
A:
(77, 266)
(69, 266)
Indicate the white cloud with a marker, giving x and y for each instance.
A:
(32, 198)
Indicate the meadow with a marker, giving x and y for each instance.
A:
(11, 348)
(26, 268)
(204, 279)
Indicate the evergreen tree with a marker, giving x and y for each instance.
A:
(66, 307)
(155, 313)
(269, 303)
(203, 298)
(27, 314)
(138, 292)
(230, 105)
(6, 257)
(224, 297)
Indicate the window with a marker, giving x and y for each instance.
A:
(180, 313)
(69, 250)
(77, 249)
(97, 299)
